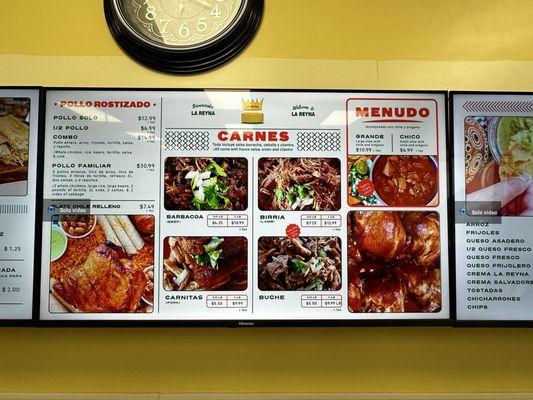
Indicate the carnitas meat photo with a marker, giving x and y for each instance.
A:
(303, 263)
(393, 262)
(102, 264)
(299, 184)
(205, 183)
(205, 263)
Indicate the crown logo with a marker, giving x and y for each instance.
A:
(252, 105)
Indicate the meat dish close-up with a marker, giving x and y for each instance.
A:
(206, 183)
(394, 262)
(303, 263)
(205, 263)
(393, 180)
(14, 145)
(102, 264)
(299, 184)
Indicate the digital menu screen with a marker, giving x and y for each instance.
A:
(19, 122)
(244, 206)
(493, 169)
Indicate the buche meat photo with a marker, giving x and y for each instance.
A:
(305, 263)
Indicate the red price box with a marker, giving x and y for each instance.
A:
(226, 301)
(322, 301)
(230, 220)
(322, 221)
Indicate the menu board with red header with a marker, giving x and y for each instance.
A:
(19, 122)
(493, 169)
(244, 206)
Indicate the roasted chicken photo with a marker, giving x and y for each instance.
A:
(106, 282)
(393, 262)
(304, 263)
(205, 263)
(102, 264)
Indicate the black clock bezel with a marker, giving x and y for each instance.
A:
(186, 61)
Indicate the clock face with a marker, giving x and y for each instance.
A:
(176, 24)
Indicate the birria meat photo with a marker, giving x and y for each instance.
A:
(299, 184)
(102, 264)
(394, 262)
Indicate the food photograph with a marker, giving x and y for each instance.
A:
(499, 163)
(299, 184)
(205, 263)
(394, 262)
(206, 183)
(14, 146)
(393, 180)
(310, 263)
(102, 264)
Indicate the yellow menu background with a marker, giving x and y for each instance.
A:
(356, 44)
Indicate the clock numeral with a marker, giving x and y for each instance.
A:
(150, 13)
(184, 30)
(163, 24)
(201, 26)
(215, 12)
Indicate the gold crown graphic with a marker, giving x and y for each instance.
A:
(252, 105)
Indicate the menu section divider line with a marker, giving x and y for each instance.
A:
(253, 233)
(271, 128)
(159, 251)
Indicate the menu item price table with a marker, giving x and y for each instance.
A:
(227, 221)
(322, 301)
(322, 221)
(227, 301)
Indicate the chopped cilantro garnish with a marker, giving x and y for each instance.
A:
(300, 196)
(298, 265)
(317, 284)
(279, 194)
(217, 169)
(211, 254)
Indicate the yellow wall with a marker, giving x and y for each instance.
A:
(366, 44)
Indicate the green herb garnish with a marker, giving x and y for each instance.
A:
(279, 194)
(217, 169)
(211, 254)
(300, 196)
(317, 284)
(209, 188)
(298, 265)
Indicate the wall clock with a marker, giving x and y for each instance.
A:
(183, 36)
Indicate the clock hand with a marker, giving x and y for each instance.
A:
(181, 7)
(205, 3)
